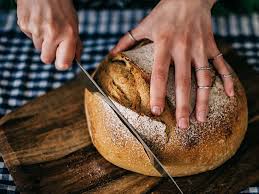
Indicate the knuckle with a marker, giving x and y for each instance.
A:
(199, 46)
(164, 36)
(35, 31)
(22, 24)
(202, 101)
(71, 31)
(202, 105)
(159, 75)
(201, 109)
(52, 30)
(183, 42)
(158, 99)
(183, 83)
(182, 110)
(35, 26)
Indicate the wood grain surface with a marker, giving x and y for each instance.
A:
(47, 149)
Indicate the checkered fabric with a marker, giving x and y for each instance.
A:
(23, 77)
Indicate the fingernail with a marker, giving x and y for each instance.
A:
(202, 116)
(156, 110)
(183, 123)
(62, 67)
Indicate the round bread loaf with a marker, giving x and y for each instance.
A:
(204, 146)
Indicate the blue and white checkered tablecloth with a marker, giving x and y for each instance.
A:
(23, 77)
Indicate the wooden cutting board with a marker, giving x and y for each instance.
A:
(47, 149)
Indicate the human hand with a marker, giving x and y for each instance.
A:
(182, 33)
(53, 27)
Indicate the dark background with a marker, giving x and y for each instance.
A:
(221, 8)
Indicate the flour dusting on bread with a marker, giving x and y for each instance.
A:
(152, 131)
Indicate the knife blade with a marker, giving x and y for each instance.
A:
(92, 86)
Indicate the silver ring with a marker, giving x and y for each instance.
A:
(204, 87)
(226, 75)
(217, 56)
(132, 37)
(203, 68)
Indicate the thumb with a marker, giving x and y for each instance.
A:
(127, 41)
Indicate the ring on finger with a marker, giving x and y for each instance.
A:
(204, 87)
(216, 56)
(131, 36)
(229, 75)
(203, 68)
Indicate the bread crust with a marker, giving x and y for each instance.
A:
(205, 146)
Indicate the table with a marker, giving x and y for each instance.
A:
(23, 77)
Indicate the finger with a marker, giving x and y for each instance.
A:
(37, 41)
(65, 54)
(36, 35)
(221, 65)
(223, 69)
(204, 78)
(182, 86)
(159, 77)
(48, 51)
(127, 41)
